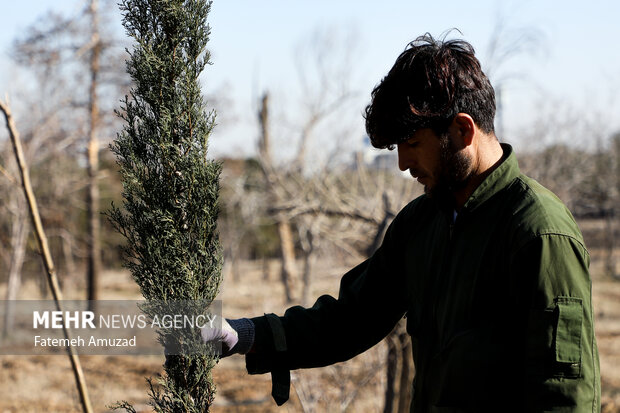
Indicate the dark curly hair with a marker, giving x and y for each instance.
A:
(431, 81)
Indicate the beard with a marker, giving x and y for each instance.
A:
(453, 173)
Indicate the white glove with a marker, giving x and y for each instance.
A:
(224, 333)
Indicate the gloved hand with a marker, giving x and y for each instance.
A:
(224, 333)
(237, 336)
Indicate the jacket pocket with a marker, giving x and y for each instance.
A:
(567, 337)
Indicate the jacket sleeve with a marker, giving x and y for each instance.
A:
(553, 286)
(371, 300)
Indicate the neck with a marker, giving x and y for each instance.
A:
(485, 158)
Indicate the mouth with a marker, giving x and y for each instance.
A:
(421, 178)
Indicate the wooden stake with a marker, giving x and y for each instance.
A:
(45, 251)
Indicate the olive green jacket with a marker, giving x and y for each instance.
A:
(498, 304)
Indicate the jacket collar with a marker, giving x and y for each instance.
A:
(505, 173)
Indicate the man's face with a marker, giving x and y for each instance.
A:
(435, 161)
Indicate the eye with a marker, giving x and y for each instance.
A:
(412, 144)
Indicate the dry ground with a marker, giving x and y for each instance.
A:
(45, 383)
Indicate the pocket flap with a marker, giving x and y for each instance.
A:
(568, 330)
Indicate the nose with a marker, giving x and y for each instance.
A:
(404, 158)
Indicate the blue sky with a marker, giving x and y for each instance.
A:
(253, 46)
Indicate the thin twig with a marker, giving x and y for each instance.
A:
(8, 175)
(295, 211)
(45, 251)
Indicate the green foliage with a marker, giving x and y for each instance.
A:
(170, 187)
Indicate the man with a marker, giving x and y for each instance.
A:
(488, 267)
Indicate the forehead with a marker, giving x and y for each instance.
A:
(423, 134)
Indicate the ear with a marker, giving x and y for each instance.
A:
(464, 127)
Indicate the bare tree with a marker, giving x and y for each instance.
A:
(61, 48)
(399, 371)
(20, 228)
(276, 193)
(243, 212)
(506, 43)
(615, 210)
(92, 199)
